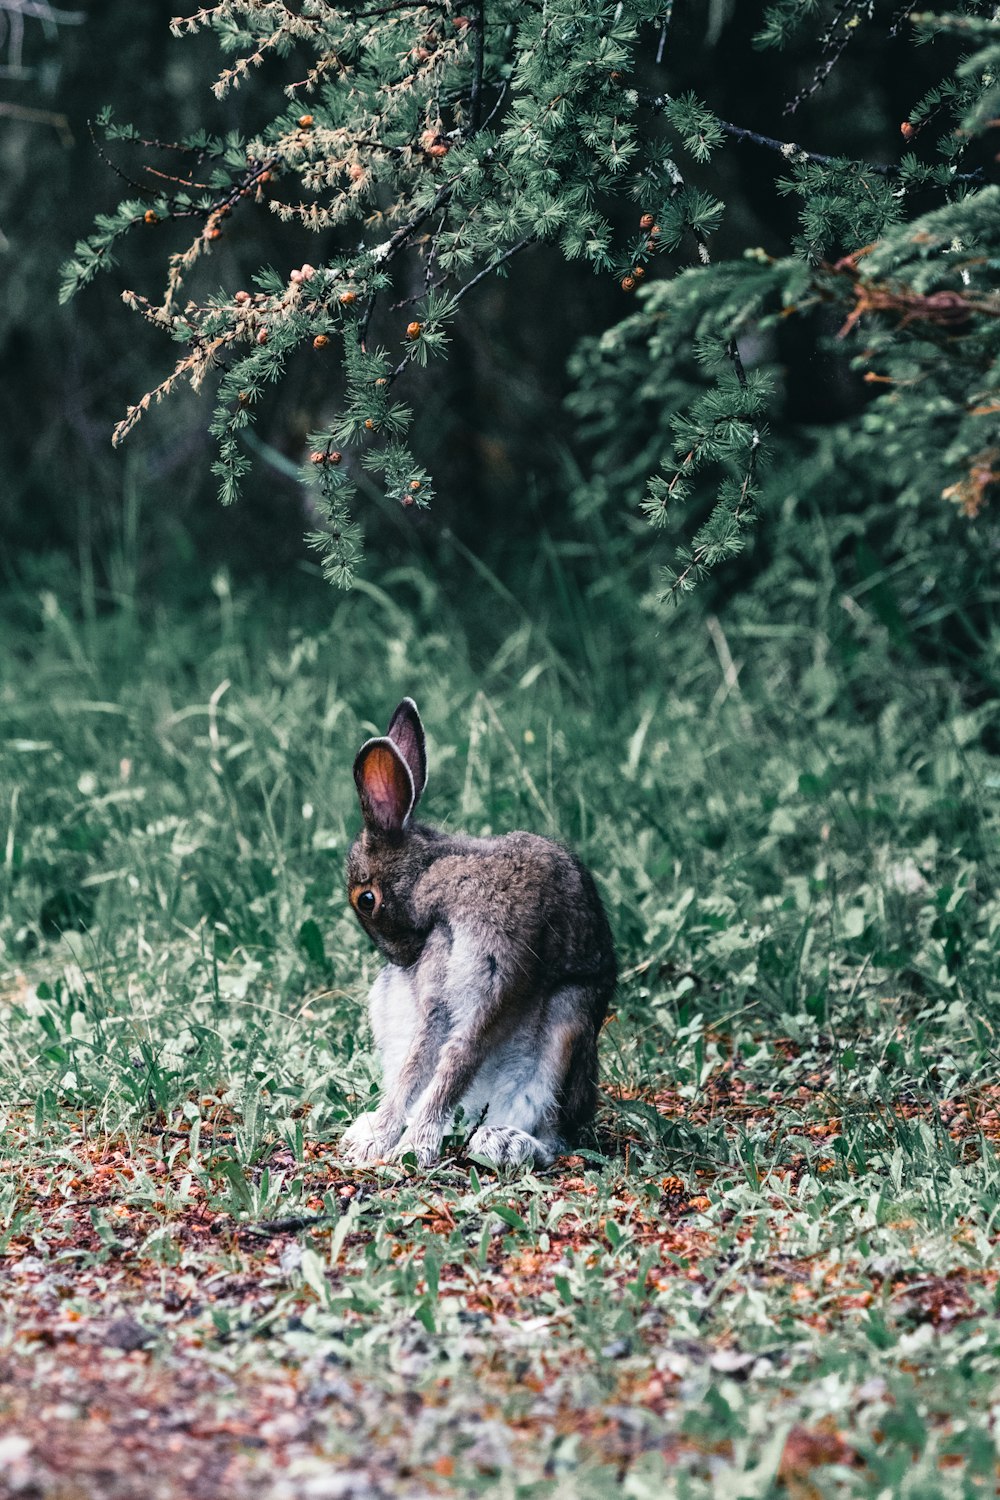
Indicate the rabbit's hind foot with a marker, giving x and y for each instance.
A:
(506, 1146)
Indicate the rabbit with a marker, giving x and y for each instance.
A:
(500, 969)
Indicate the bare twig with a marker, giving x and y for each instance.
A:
(833, 46)
(901, 14)
(733, 353)
(476, 94)
(39, 117)
(14, 13)
(496, 108)
(494, 265)
(269, 1228)
(664, 27)
(730, 684)
(397, 240)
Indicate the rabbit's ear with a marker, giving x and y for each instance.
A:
(407, 734)
(385, 786)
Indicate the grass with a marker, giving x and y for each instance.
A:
(773, 1268)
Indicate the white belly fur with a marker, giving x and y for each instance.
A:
(392, 1005)
(515, 1084)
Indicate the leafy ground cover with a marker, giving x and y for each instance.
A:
(773, 1268)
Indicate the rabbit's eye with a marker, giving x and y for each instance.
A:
(366, 900)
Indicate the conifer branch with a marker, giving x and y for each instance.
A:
(793, 152)
(377, 12)
(737, 515)
(139, 187)
(796, 153)
(396, 241)
(453, 301)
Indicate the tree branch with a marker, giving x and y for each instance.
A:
(39, 117)
(792, 151)
(833, 47)
(494, 265)
(733, 354)
(397, 240)
(476, 95)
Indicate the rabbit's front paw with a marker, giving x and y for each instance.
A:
(423, 1141)
(368, 1139)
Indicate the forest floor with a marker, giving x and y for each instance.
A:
(771, 1271)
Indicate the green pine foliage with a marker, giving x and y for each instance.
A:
(903, 294)
(427, 148)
